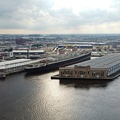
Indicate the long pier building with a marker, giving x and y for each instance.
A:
(17, 65)
(106, 67)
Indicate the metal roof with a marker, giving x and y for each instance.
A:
(13, 61)
(102, 62)
(30, 51)
(18, 63)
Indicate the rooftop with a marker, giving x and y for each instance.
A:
(13, 61)
(16, 63)
(102, 62)
(31, 51)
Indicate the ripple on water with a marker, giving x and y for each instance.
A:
(37, 97)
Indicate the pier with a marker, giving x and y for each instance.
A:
(13, 66)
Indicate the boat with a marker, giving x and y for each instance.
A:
(54, 65)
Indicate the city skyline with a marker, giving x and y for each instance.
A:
(59, 17)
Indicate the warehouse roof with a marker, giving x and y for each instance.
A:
(30, 51)
(16, 63)
(102, 62)
(13, 61)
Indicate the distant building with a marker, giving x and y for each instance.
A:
(28, 53)
(20, 41)
(77, 46)
(6, 55)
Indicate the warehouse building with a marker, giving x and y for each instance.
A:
(28, 53)
(100, 68)
(13, 66)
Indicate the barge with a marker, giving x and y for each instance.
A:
(102, 68)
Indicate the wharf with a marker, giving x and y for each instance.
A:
(14, 66)
(73, 78)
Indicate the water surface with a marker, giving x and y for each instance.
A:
(37, 97)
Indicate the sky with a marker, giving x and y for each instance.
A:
(59, 16)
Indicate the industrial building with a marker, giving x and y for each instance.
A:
(13, 66)
(28, 53)
(89, 46)
(106, 67)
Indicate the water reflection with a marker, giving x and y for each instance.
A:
(85, 84)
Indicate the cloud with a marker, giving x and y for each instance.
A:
(40, 15)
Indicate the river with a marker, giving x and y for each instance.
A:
(37, 97)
